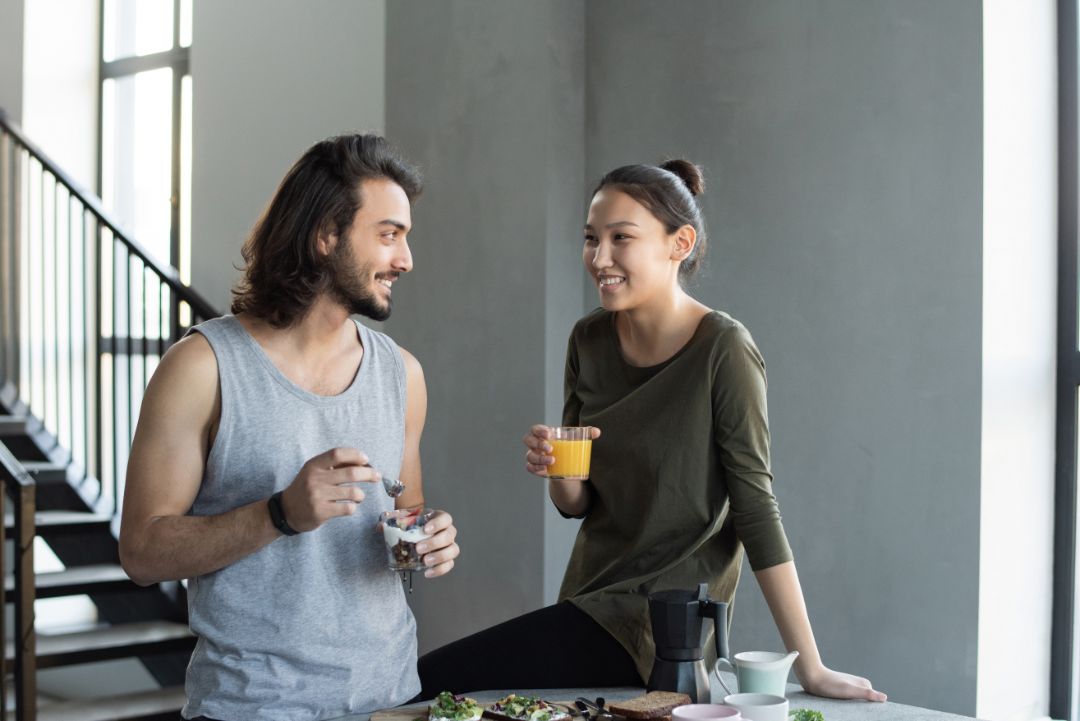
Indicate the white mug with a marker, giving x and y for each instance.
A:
(705, 712)
(759, 706)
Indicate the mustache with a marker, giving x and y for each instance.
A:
(392, 275)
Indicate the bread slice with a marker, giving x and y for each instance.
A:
(652, 705)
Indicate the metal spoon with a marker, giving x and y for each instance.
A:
(393, 487)
(597, 707)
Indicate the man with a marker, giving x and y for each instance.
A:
(263, 436)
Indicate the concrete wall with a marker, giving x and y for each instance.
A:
(11, 56)
(843, 146)
(488, 98)
(1019, 340)
(270, 78)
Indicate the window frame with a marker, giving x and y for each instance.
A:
(1063, 643)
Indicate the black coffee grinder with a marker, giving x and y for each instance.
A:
(680, 639)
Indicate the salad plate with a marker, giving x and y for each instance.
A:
(526, 708)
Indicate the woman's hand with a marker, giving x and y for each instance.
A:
(823, 681)
(439, 551)
(782, 591)
(538, 450)
(569, 496)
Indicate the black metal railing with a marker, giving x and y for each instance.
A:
(17, 484)
(85, 313)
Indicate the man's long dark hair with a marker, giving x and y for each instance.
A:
(283, 270)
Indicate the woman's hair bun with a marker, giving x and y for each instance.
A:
(689, 173)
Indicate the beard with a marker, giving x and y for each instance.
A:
(350, 285)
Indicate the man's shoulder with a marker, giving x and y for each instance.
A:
(387, 343)
(211, 327)
(193, 349)
(382, 341)
(185, 383)
(367, 333)
(412, 365)
(188, 363)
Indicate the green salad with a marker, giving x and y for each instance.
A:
(527, 708)
(805, 714)
(454, 707)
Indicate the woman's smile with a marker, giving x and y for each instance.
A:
(610, 283)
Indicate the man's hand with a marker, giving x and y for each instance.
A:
(324, 488)
(440, 550)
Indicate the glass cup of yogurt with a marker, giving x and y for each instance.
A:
(402, 530)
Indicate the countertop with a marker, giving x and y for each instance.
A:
(832, 709)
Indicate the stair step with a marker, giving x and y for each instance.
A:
(119, 708)
(44, 472)
(24, 437)
(122, 641)
(16, 425)
(103, 578)
(56, 523)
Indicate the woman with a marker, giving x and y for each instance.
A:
(680, 477)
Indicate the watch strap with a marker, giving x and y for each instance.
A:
(277, 515)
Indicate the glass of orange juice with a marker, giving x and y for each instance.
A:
(572, 448)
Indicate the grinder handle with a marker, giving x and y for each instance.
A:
(717, 611)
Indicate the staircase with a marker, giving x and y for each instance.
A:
(85, 315)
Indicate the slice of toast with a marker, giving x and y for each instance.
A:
(653, 705)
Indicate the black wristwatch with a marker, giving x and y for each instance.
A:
(277, 515)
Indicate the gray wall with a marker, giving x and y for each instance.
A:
(11, 57)
(269, 78)
(843, 146)
(488, 98)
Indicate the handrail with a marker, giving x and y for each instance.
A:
(86, 313)
(91, 202)
(14, 477)
(65, 262)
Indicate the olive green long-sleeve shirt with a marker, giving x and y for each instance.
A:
(680, 480)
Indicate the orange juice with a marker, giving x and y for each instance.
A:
(571, 459)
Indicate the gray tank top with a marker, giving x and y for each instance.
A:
(312, 626)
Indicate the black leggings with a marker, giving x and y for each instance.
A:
(558, 646)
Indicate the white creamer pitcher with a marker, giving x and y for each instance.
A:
(759, 671)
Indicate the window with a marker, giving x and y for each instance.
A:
(146, 123)
(144, 185)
